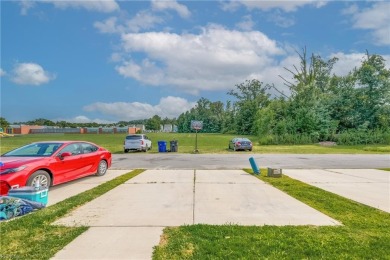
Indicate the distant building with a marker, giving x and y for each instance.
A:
(22, 129)
(169, 128)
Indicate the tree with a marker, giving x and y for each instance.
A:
(228, 124)
(314, 74)
(210, 113)
(42, 122)
(153, 123)
(4, 123)
(309, 104)
(251, 96)
(373, 92)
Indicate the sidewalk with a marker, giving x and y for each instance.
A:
(127, 222)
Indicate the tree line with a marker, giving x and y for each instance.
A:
(351, 109)
(320, 106)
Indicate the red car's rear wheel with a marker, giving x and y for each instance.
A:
(102, 168)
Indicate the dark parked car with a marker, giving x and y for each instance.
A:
(51, 163)
(239, 143)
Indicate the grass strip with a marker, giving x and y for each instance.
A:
(33, 237)
(207, 143)
(363, 235)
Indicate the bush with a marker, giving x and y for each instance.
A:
(288, 139)
(350, 137)
(355, 137)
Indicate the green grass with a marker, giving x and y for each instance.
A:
(363, 235)
(33, 237)
(207, 143)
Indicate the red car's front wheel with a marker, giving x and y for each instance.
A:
(41, 177)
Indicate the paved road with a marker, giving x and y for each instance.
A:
(240, 160)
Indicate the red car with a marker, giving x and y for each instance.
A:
(51, 163)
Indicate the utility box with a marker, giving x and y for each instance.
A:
(276, 173)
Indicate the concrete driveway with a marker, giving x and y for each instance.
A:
(69, 189)
(127, 221)
(367, 186)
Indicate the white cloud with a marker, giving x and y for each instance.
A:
(30, 74)
(215, 59)
(104, 6)
(376, 19)
(147, 72)
(141, 21)
(246, 24)
(168, 107)
(2, 72)
(84, 119)
(109, 26)
(182, 10)
(347, 62)
(286, 6)
(281, 20)
(25, 6)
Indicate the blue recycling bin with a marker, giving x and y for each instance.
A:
(162, 146)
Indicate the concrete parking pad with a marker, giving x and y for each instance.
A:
(164, 176)
(69, 189)
(113, 243)
(236, 197)
(127, 221)
(369, 187)
(154, 198)
(133, 205)
(225, 176)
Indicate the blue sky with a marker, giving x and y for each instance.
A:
(106, 61)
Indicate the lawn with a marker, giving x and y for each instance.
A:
(207, 143)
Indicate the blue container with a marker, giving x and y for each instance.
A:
(254, 166)
(162, 146)
(30, 193)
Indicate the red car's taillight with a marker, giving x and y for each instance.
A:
(238, 144)
(142, 142)
(4, 188)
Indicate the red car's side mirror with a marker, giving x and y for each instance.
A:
(65, 154)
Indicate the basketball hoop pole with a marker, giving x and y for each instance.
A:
(196, 125)
(196, 141)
